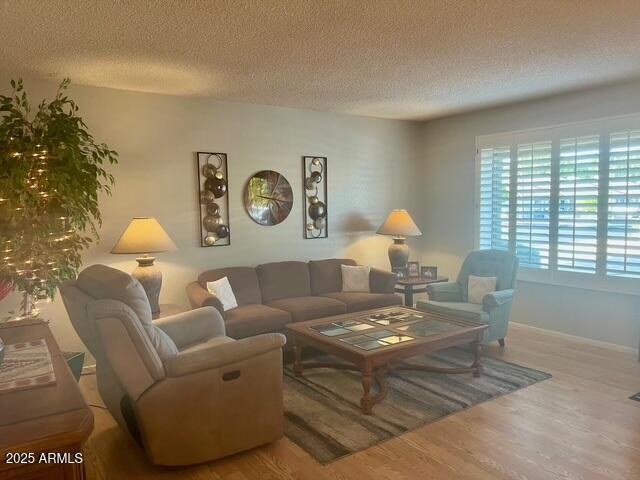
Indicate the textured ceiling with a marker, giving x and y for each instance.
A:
(383, 58)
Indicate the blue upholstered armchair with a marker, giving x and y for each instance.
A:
(451, 298)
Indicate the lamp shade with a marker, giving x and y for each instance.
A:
(399, 223)
(144, 235)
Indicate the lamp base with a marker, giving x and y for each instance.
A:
(150, 278)
(398, 253)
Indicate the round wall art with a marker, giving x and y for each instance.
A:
(268, 198)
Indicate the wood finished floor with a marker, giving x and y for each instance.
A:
(578, 425)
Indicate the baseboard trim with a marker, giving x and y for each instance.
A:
(585, 340)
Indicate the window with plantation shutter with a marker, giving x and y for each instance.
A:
(566, 201)
(494, 199)
(578, 204)
(623, 215)
(533, 202)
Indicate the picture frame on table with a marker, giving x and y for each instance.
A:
(413, 269)
(401, 272)
(429, 272)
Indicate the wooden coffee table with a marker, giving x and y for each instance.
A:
(380, 340)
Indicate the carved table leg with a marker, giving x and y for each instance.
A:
(297, 364)
(381, 375)
(476, 348)
(366, 400)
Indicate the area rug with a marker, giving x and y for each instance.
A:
(322, 409)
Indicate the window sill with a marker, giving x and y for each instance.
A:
(583, 281)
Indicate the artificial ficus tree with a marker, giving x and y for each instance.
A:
(51, 172)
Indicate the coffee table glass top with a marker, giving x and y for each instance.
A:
(376, 339)
(394, 316)
(428, 327)
(339, 328)
(385, 327)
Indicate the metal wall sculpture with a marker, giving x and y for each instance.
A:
(214, 199)
(268, 198)
(314, 180)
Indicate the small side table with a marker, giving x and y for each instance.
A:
(168, 309)
(412, 285)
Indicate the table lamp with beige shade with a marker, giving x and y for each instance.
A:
(145, 235)
(399, 224)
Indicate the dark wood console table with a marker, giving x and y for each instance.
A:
(52, 419)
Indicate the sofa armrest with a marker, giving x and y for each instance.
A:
(200, 297)
(381, 281)
(217, 356)
(497, 298)
(193, 326)
(444, 292)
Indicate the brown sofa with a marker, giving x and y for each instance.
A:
(274, 294)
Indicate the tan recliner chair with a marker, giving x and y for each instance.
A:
(184, 390)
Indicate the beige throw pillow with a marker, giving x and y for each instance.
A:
(355, 279)
(479, 287)
(222, 289)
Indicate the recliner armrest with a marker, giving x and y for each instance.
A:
(381, 281)
(497, 298)
(444, 292)
(193, 326)
(201, 297)
(224, 354)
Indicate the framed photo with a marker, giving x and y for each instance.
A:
(413, 269)
(430, 273)
(400, 273)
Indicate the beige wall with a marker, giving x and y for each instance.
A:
(371, 170)
(374, 166)
(447, 170)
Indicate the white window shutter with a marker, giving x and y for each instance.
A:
(623, 218)
(578, 204)
(533, 204)
(566, 201)
(494, 197)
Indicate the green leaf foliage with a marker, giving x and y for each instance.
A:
(51, 172)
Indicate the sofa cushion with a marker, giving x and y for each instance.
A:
(355, 278)
(283, 280)
(468, 311)
(308, 308)
(358, 301)
(253, 319)
(222, 289)
(243, 281)
(326, 275)
(479, 287)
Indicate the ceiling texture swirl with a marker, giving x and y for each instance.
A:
(398, 59)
